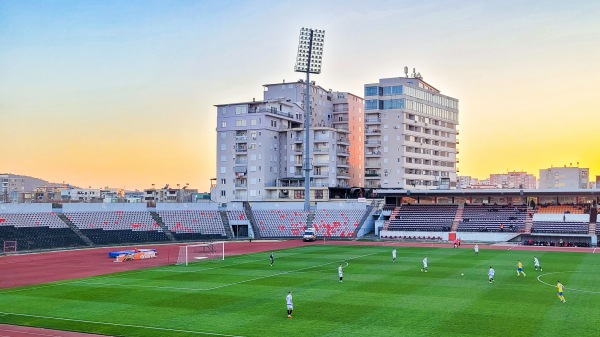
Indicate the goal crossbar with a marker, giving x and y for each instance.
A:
(200, 251)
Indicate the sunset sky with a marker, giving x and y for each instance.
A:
(121, 93)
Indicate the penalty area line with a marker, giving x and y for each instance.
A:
(120, 324)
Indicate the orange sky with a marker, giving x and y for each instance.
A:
(114, 94)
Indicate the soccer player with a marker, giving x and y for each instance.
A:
(290, 304)
(424, 264)
(272, 259)
(340, 273)
(520, 268)
(476, 248)
(560, 291)
(536, 263)
(491, 273)
(394, 255)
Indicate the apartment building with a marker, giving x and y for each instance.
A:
(261, 145)
(410, 135)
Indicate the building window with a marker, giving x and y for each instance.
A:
(371, 104)
(371, 91)
(241, 109)
(223, 124)
(222, 193)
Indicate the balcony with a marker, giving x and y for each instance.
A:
(299, 149)
(372, 142)
(343, 140)
(370, 131)
(241, 138)
(241, 149)
(241, 162)
(341, 120)
(241, 185)
(373, 120)
(373, 154)
(320, 163)
(372, 165)
(342, 163)
(372, 175)
(240, 169)
(321, 149)
(343, 173)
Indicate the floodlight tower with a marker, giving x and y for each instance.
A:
(308, 60)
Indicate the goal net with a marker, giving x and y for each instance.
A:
(10, 247)
(200, 251)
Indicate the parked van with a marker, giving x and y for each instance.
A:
(310, 234)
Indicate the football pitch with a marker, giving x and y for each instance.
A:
(244, 296)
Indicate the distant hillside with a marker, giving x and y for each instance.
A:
(31, 182)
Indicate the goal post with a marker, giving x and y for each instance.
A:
(200, 251)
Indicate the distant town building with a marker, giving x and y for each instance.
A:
(564, 178)
(80, 195)
(152, 196)
(10, 187)
(410, 135)
(520, 180)
(466, 181)
(510, 180)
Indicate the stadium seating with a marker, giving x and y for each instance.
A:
(37, 230)
(117, 227)
(336, 222)
(561, 209)
(195, 224)
(489, 218)
(436, 218)
(278, 223)
(564, 227)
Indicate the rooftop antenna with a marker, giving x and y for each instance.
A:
(406, 71)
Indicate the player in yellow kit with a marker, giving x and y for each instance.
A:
(560, 291)
(520, 268)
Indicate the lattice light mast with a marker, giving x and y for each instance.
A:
(308, 60)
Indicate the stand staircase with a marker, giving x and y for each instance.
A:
(226, 224)
(75, 229)
(457, 217)
(250, 217)
(529, 220)
(162, 225)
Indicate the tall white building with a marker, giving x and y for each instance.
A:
(410, 135)
(260, 145)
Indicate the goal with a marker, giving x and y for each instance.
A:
(10, 247)
(200, 251)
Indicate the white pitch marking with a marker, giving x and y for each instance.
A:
(118, 324)
(573, 289)
(217, 287)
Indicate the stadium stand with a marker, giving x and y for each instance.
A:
(422, 218)
(560, 223)
(193, 221)
(493, 218)
(562, 209)
(106, 224)
(278, 223)
(339, 219)
(34, 227)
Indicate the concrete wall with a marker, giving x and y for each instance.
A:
(25, 208)
(98, 207)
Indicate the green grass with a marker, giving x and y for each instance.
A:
(244, 296)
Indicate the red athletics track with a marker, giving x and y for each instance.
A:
(29, 269)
